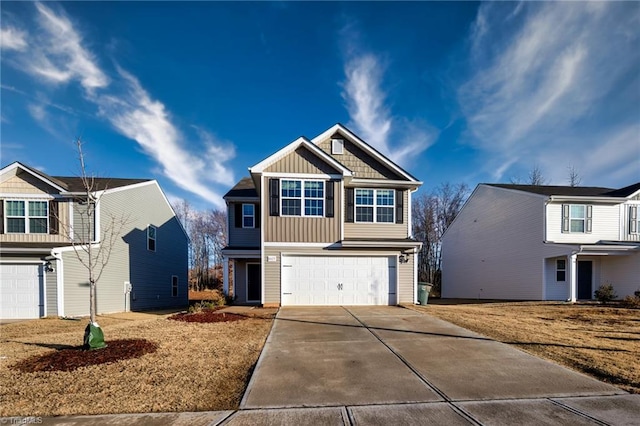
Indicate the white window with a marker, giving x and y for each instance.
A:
(27, 217)
(337, 146)
(302, 197)
(561, 270)
(634, 220)
(151, 238)
(375, 205)
(248, 216)
(577, 218)
(174, 286)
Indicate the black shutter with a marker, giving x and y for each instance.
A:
(274, 197)
(349, 198)
(256, 212)
(1, 216)
(54, 220)
(399, 206)
(329, 198)
(238, 215)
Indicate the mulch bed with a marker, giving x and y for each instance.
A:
(207, 316)
(77, 357)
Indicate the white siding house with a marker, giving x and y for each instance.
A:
(522, 242)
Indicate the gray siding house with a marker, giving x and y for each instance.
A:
(325, 221)
(43, 222)
(524, 242)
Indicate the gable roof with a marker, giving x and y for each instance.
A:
(572, 191)
(343, 130)
(301, 141)
(245, 188)
(73, 183)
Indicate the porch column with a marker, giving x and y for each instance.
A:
(573, 277)
(225, 275)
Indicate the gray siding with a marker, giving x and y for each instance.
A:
(556, 290)
(623, 272)
(242, 237)
(51, 288)
(149, 272)
(83, 222)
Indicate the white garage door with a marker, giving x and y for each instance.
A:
(333, 280)
(21, 291)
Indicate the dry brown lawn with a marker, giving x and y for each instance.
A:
(601, 341)
(196, 367)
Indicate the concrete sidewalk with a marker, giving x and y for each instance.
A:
(388, 365)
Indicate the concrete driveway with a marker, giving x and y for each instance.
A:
(390, 365)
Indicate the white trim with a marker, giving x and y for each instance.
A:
(384, 182)
(97, 222)
(363, 145)
(242, 254)
(283, 244)
(573, 282)
(409, 215)
(126, 187)
(74, 248)
(415, 276)
(263, 219)
(16, 196)
(380, 243)
(246, 282)
(584, 199)
(301, 141)
(59, 281)
(342, 209)
(17, 164)
(44, 288)
(316, 176)
(71, 211)
(26, 262)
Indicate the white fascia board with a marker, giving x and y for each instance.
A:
(385, 183)
(381, 244)
(43, 196)
(301, 141)
(583, 199)
(302, 175)
(364, 146)
(281, 244)
(127, 187)
(17, 165)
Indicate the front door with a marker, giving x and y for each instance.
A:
(254, 285)
(585, 277)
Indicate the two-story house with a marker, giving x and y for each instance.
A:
(325, 221)
(44, 221)
(524, 242)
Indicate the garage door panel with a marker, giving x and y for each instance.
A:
(338, 280)
(22, 291)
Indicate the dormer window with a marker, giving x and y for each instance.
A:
(337, 146)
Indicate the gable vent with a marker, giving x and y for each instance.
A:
(337, 146)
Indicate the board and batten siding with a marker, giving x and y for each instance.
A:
(301, 161)
(239, 236)
(272, 270)
(494, 248)
(361, 164)
(380, 230)
(605, 224)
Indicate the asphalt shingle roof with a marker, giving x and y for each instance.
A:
(244, 188)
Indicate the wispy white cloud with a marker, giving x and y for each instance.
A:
(553, 83)
(60, 56)
(12, 39)
(369, 111)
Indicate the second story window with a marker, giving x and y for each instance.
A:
(151, 238)
(634, 220)
(576, 218)
(27, 217)
(375, 205)
(302, 197)
(248, 216)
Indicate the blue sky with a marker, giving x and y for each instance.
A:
(192, 94)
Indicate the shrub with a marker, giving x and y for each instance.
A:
(605, 293)
(632, 301)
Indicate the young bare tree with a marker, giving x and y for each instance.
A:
(535, 177)
(92, 246)
(573, 176)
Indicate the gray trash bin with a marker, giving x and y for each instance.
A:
(423, 292)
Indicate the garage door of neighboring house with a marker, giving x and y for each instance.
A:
(22, 291)
(338, 280)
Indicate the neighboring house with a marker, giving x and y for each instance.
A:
(40, 274)
(322, 222)
(525, 242)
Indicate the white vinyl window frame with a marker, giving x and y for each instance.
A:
(377, 205)
(28, 214)
(248, 216)
(152, 238)
(312, 201)
(577, 218)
